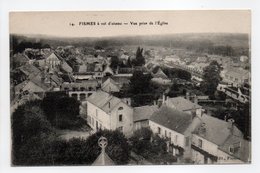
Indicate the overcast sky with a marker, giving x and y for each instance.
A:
(59, 23)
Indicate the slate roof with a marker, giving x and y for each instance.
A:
(144, 112)
(20, 57)
(103, 160)
(243, 153)
(110, 81)
(218, 132)
(182, 104)
(160, 74)
(29, 70)
(104, 101)
(54, 57)
(237, 73)
(172, 119)
(119, 80)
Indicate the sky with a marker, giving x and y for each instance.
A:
(74, 24)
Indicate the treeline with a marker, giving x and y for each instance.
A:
(19, 45)
(196, 42)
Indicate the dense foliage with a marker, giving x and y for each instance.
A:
(242, 117)
(211, 78)
(20, 46)
(62, 111)
(151, 147)
(177, 73)
(139, 59)
(34, 142)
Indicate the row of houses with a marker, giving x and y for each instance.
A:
(190, 133)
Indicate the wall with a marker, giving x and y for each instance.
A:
(141, 124)
(180, 140)
(127, 122)
(207, 146)
(99, 116)
(226, 158)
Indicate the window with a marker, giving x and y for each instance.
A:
(82, 96)
(200, 143)
(96, 125)
(75, 96)
(159, 130)
(120, 118)
(231, 149)
(120, 108)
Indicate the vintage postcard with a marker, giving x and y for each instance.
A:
(130, 87)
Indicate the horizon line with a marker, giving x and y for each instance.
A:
(166, 34)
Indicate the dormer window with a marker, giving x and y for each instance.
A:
(231, 149)
(234, 148)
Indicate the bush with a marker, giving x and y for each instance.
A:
(50, 150)
(153, 148)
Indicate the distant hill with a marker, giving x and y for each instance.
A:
(234, 40)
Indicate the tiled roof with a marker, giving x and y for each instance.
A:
(172, 119)
(144, 112)
(182, 104)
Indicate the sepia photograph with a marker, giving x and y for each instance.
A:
(107, 88)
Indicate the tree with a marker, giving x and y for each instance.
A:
(140, 83)
(114, 62)
(151, 147)
(62, 111)
(139, 60)
(174, 90)
(211, 78)
(28, 121)
(141, 140)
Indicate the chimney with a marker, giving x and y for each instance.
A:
(187, 95)
(163, 98)
(167, 98)
(117, 69)
(202, 129)
(231, 122)
(195, 99)
(154, 103)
